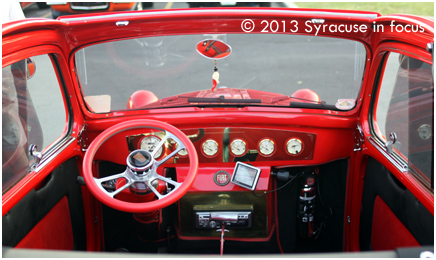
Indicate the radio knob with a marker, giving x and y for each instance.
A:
(212, 224)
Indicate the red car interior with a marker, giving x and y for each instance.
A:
(325, 187)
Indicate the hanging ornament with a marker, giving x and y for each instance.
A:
(215, 78)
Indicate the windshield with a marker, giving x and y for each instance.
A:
(262, 70)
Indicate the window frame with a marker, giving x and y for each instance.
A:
(48, 153)
(397, 159)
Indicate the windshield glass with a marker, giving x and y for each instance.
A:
(262, 70)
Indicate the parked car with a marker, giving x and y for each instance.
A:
(67, 8)
(41, 5)
(229, 4)
(235, 131)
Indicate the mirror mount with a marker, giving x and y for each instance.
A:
(214, 49)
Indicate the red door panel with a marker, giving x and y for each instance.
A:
(54, 231)
(388, 233)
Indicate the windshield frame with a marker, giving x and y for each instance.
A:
(362, 38)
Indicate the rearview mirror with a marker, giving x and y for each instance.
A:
(214, 49)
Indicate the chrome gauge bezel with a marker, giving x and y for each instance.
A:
(238, 147)
(157, 139)
(211, 144)
(260, 146)
(293, 140)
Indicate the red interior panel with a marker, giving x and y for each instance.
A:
(388, 232)
(54, 231)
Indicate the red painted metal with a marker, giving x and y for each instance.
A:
(204, 180)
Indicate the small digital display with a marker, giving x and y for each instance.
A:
(245, 176)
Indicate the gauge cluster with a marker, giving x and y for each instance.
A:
(232, 144)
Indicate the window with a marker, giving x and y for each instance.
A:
(404, 109)
(111, 72)
(33, 112)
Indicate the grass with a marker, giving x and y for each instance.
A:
(384, 8)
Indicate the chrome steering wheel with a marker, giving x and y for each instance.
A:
(141, 168)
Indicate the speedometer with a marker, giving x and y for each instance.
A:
(149, 143)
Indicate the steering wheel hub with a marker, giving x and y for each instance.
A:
(140, 161)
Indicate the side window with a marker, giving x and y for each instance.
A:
(404, 112)
(33, 112)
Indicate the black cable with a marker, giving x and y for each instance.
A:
(318, 230)
(322, 201)
(264, 193)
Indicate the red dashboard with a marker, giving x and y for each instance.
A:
(232, 144)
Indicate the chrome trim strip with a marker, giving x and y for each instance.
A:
(272, 12)
(103, 6)
(401, 166)
(54, 152)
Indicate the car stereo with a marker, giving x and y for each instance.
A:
(232, 219)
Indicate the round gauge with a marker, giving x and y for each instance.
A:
(182, 152)
(238, 147)
(266, 147)
(294, 146)
(210, 147)
(149, 143)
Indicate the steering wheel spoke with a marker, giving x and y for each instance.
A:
(167, 136)
(124, 175)
(158, 163)
(128, 184)
(166, 180)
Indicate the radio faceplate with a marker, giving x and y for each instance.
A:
(236, 201)
(232, 219)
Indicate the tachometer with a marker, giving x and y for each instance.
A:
(294, 146)
(210, 147)
(238, 147)
(267, 147)
(149, 143)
